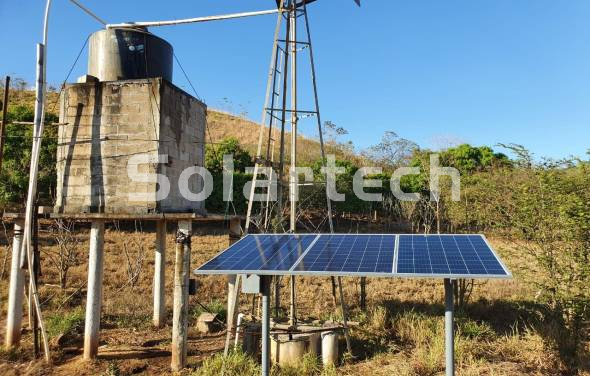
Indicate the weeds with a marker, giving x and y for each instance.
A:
(235, 364)
(61, 323)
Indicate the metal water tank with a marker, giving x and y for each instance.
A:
(129, 53)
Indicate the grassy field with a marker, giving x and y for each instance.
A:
(501, 331)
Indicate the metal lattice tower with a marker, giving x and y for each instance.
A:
(280, 115)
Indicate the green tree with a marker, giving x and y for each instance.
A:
(231, 145)
(14, 178)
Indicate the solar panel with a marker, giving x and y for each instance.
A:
(349, 254)
(259, 253)
(467, 256)
(379, 255)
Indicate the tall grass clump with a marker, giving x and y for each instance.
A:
(235, 364)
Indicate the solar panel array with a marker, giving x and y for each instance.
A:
(379, 255)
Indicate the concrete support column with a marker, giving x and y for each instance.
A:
(181, 284)
(94, 294)
(14, 315)
(159, 316)
(449, 329)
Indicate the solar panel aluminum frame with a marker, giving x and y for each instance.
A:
(393, 274)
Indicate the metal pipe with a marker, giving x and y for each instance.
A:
(271, 73)
(294, 118)
(293, 169)
(317, 108)
(89, 12)
(265, 281)
(238, 328)
(193, 20)
(449, 329)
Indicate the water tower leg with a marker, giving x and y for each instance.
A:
(94, 294)
(181, 284)
(14, 316)
(159, 317)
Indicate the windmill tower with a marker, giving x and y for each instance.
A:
(281, 113)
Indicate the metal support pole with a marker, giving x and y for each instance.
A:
(269, 91)
(4, 118)
(265, 288)
(94, 294)
(292, 170)
(14, 315)
(449, 329)
(318, 114)
(181, 284)
(159, 315)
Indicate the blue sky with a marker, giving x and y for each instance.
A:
(479, 71)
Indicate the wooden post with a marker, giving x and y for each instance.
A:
(181, 282)
(363, 301)
(159, 317)
(14, 315)
(4, 119)
(344, 316)
(94, 294)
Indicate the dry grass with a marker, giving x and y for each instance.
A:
(503, 331)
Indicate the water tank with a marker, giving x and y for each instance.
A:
(125, 53)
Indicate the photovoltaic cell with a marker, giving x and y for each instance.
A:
(380, 255)
(457, 255)
(260, 253)
(362, 254)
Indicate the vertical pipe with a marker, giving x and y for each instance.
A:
(294, 119)
(449, 329)
(271, 73)
(181, 282)
(4, 118)
(159, 315)
(293, 168)
(14, 315)
(235, 232)
(265, 287)
(94, 294)
(233, 282)
(318, 115)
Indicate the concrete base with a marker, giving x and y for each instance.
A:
(288, 350)
(330, 348)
